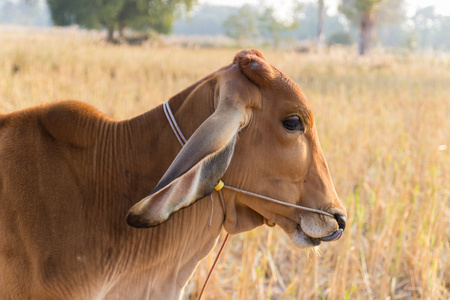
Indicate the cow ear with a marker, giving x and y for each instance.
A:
(199, 165)
(256, 67)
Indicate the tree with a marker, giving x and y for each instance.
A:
(364, 14)
(251, 23)
(307, 19)
(242, 26)
(321, 19)
(206, 20)
(273, 28)
(340, 38)
(117, 14)
(426, 26)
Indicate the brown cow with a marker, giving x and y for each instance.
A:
(69, 175)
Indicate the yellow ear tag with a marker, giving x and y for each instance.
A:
(219, 186)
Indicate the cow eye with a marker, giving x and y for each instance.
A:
(293, 123)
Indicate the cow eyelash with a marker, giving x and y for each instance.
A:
(293, 123)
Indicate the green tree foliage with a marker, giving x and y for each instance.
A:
(251, 23)
(117, 14)
(206, 20)
(242, 25)
(308, 20)
(340, 38)
(272, 28)
(365, 14)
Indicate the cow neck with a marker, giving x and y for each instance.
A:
(182, 140)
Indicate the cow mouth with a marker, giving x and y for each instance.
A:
(301, 238)
(333, 237)
(315, 241)
(336, 235)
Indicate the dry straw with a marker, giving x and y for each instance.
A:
(384, 126)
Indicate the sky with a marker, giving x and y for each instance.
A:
(283, 6)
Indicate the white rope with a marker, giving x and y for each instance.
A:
(182, 140)
(173, 124)
(278, 201)
(177, 131)
(211, 211)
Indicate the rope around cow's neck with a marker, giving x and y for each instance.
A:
(177, 131)
(179, 134)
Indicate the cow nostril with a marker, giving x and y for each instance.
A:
(341, 220)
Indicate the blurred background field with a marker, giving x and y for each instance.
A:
(383, 121)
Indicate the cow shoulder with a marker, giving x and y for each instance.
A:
(72, 122)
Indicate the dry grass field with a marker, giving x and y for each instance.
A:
(384, 125)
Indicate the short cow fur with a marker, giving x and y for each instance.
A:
(71, 178)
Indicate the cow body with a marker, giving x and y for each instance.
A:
(64, 199)
(69, 176)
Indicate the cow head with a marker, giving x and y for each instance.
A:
(262, 138)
